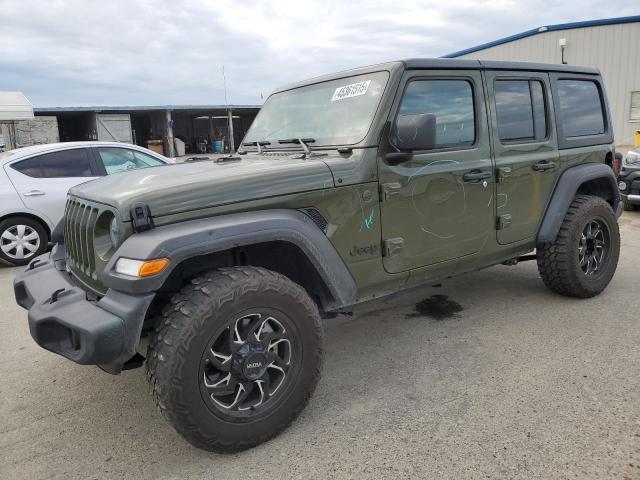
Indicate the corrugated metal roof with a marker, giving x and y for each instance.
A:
(546, 28)
(142, 108)
(14, 106)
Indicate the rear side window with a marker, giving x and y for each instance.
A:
(29, 167)
(580, 108)
(520, 110)
(451, 101)
(66, 163)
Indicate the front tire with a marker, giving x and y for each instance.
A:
(583, 258)
(21, 240)
(235, 357)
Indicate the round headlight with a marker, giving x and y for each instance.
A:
(105, 235)
(114, 232)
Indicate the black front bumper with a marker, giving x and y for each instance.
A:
(64, 320)
(631, 180)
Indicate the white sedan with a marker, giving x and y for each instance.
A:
(34, 182)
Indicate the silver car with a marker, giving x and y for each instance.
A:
(629, 180)
(34, 182)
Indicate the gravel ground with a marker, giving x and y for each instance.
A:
(521, 383)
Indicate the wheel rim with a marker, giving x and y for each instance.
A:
(593, 247)
(247, 364)
(19, 242)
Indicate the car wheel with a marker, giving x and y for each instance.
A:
(235, 358)
(583, 258)
(21, 240)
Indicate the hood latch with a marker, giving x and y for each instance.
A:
(141, 218)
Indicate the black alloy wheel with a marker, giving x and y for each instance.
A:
(247, 363)
(593, 246)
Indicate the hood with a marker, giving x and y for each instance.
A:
(181, 187)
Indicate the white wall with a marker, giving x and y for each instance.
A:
(613, 49)
(39, 130)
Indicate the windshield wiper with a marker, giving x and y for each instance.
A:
(258, 144)
(303, 143)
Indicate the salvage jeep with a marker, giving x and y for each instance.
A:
(349, 187)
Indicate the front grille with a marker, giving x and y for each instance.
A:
(79, 221)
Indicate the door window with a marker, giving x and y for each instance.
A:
(580, 108)
(63, 164)
(120, 159)
(451, 102)
(520, 110)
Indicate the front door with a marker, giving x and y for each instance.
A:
(438, 205)
(525, 149)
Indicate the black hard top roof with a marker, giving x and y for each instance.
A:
(436, 63)
(446, 64)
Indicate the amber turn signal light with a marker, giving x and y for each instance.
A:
(152, 267)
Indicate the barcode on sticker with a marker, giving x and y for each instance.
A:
(353, 90)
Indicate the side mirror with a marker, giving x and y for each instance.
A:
(415, 132)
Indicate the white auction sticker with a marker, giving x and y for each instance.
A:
(353, 90)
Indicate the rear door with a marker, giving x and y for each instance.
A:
(525, 150)
(42, 181)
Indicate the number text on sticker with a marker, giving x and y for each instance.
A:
(353, 90)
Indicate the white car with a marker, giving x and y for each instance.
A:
(34, 182)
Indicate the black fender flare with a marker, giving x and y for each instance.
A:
(568, 185)
(191, 238)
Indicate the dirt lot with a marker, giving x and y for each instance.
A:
(519, 384)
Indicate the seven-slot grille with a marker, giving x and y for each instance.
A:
(79, 221)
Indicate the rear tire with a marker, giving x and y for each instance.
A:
(574, 264)
(21, 240)
(224, 335)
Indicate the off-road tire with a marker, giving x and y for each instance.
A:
(179, 340)
(631, 207)
(558, 262)
(36, 227)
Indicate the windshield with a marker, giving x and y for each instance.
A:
(337, 112)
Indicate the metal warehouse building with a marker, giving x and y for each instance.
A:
(611, 45)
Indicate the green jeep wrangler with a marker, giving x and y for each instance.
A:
(346, 188)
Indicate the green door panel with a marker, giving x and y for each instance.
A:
(426, 202)
(528, 168)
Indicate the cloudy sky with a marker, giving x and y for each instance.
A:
(150, 52)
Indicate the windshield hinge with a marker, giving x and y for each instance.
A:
(503, 221)
(388, 190)
(502, 173)
(141, 218)
(392, 246)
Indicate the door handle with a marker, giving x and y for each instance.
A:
(476, 176)
(543, 166)
(33, 193)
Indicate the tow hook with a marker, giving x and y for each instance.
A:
(56, 295)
